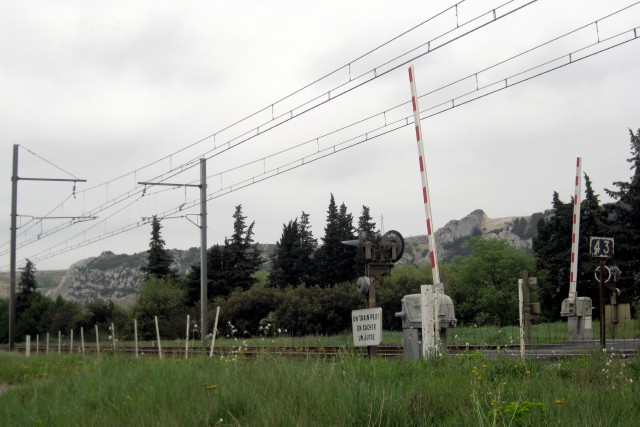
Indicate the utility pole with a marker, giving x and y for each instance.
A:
(203, 251)
(203, 243)
(14, 227)
(14, 207)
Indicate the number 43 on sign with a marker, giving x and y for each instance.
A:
(601, 247)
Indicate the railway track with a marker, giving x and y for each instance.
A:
(628, 347)
(388, 351)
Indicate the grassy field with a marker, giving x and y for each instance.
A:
(601, 389)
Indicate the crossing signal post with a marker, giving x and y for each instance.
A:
(602, 247)
(379, 259)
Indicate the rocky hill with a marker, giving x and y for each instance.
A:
(452, 238)
(113, 277)
(117, 277)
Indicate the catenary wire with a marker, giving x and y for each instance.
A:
(271, 105)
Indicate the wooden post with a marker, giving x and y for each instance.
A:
(59, 341)
(158, 337)
(113, 334)
(71, 342)
(215, 329)
(47, 342)
(186, 346)
(37, 343)
(135, 335)
(82, 339)
(28, 347)
(97, 340)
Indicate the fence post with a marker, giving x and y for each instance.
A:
(135, 335)
(47, 342)
(113, 334)
(82, 338)
(71, 343)
(158, 337)
(215, 328)
(59, 341)
(186, 346)
(28, 346)
(37, 343)
(97, 340)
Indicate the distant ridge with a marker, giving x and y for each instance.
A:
(452, 238)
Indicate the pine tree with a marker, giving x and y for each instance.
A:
(28, 283)
(159, 259)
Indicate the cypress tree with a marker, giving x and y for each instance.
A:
(235, 263)
(307, 250)
(336, 261)
(366, 226)
(286, 266)
(159, 259)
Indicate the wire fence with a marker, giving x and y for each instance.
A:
(621, 334)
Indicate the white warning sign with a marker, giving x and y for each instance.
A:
(367, 326)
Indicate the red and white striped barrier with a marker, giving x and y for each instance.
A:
(575, 232)
(423, 174)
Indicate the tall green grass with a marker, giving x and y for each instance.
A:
(600, 389)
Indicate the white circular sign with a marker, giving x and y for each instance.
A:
(607, 274)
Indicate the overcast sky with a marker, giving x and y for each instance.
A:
(102, 89)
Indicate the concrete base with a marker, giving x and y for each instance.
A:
(580, 328)
(578, 314)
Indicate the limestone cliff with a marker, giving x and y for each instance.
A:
(112, 277)
(451, 239)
